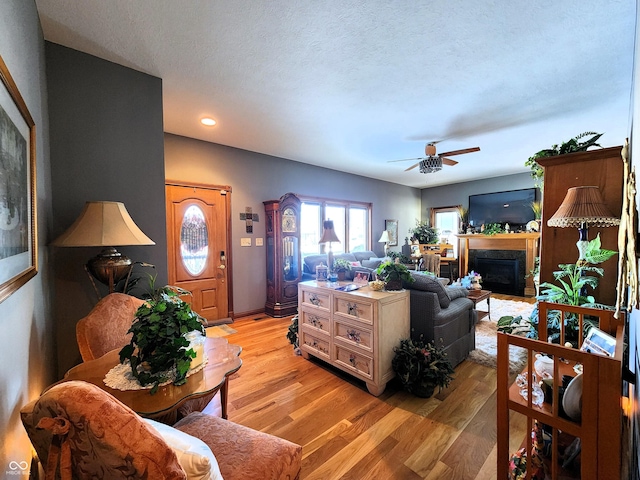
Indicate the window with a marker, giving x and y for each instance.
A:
(350, 222)
(447, 221)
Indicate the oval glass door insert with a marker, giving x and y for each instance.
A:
(194, 240)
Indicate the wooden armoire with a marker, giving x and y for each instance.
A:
(602, 168)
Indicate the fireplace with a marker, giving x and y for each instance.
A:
(522, 247)
(502, 271)
(500, 275)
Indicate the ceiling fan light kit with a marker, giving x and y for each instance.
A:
(431, 164)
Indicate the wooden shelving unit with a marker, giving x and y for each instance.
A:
(599, 428)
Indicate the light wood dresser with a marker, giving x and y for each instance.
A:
(353, 331)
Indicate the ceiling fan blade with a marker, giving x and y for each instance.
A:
(448, 161)
(412, 167)
(405, 160)
(460, 152)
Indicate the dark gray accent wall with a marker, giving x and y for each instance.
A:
(255, 178)
(27, 356)
(106, 144)
(458, 194)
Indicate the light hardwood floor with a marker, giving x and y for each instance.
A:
(346, 433)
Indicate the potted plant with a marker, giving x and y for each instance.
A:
(463, 215)
(159, 350)
(573, 145)
(421, 367)
(341, 267)
(424, 233)
(393, 274)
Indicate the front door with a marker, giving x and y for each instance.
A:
(198, 243)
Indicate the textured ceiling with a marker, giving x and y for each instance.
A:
(350, 85)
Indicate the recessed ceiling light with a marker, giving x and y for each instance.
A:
(209, 122)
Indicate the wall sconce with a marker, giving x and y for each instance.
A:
(104, 224)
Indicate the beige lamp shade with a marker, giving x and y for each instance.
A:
(384, 237)
(328, 233)
(583, 205)
(103, 224)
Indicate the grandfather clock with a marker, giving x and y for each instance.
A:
(283, 255)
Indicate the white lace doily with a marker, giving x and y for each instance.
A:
(121, 378)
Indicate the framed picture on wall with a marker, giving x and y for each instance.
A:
(391, 226)
(18, 253)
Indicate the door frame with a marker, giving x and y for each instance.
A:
(228, 250)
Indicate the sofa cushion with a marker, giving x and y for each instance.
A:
(372, 263)
(365, 255)
(429, 283)
(457, 292)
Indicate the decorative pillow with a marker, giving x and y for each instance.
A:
(355, 264)
(429, 283)
(456, 292)
(194, 456)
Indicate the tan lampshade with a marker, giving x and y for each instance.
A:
(583, 205)
(329, 234)
(384, 237)
(103, 224)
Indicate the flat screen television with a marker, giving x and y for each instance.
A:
(512, 207)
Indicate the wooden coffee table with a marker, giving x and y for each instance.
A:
(478, 296)
(223, 360)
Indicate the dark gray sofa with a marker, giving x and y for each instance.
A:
(368, 261)
(444, 314)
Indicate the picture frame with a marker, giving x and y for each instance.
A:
(361, 278)
(18, 231)
(599, 342)
(391, 226)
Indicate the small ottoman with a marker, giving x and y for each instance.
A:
(244, 453)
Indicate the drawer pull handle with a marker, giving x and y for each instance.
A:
(317, 346)
(352, 309)
(314, 299)
(353, 335)
(315, 321)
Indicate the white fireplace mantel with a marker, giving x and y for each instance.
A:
(528, 242)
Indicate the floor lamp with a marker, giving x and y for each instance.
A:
(328, 236)
(104, 224)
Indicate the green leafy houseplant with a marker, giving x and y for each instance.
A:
(403, 258)
(292, 333)
(573, 279)
(158, 350)
(424, 233)
(492, 229)
(576, 144)
(421, 367)
(393, 274)
(341, 265)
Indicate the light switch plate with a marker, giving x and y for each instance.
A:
(245, 242)
(259, 242)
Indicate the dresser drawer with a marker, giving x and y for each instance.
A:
(314, 320)
(356, 308)
(314, 344)
(354, 362)
(353, 334)
(317, 299)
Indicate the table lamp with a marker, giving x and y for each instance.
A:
(581, 207)
(384, 238)
(328, 236)
(104, 224)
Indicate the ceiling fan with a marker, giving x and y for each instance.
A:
(433, 162)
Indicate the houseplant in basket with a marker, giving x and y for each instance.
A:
(159, 350)
(341, 267)
(424, 233)
(393, 274)
(421, 367)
